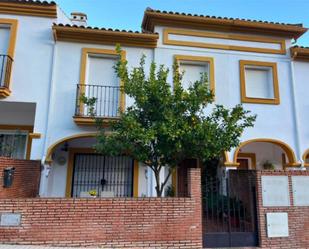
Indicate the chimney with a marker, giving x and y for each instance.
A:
(79, 18)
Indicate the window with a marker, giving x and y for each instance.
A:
(193, 67)
(99, 80)
(8, 31)
(259, 82)
(13, 144)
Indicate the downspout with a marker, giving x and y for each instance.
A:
(295, 113)
(46, 167)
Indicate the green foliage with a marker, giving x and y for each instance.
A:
(89, 102)
(166, 125)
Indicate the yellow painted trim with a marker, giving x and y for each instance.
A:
(244, 98)
(285, 147)
(72, 152)
(100, 36)
(4, 92)
(251, 156)
(27, 128)
(13, 25)
(226, 160)
(299, 53)
(135, 178)
(52, 147)
(203, 34)
(83, 70)
(29, 9)
(208, 60)
(35, 135)
(92, 121)
(306, 157)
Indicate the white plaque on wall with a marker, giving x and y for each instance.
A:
(275, 191)
(277, 225)
(300, 186)
(10, 219)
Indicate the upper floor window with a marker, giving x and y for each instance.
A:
(8, 30)
(259, 82)
(193, 67)
(98, 80)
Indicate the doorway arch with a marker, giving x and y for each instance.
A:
(292, 161)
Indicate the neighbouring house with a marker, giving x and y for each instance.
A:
(48, 60)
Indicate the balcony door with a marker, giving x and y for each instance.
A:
(103, 84)
(4, 44)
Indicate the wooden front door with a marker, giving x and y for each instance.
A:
(243, 163)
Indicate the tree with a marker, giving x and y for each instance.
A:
(166, 125)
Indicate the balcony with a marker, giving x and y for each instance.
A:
(5, 74)
(109, 100)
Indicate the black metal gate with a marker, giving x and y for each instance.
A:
(109, 176)
(229, 210)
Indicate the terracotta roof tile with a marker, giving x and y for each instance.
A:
(30, 2)
(219, 17)
(103, 29)
(154, 17)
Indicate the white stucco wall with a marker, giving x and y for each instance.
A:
(273, 121)
(301, 72)
(265, 152)
(31, 70)
(45, 73)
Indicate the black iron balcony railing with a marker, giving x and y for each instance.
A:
(107, 102)
(5, 70)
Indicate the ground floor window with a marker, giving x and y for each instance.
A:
(13, 144)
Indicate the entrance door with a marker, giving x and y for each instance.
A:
(109, 176)
(243, 163)
(229, 210)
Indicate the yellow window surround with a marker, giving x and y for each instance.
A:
(202, 59)
(83, 72)
(216, 35)
(244, 98)
(13, 25)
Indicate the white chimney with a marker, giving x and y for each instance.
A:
(79, 18)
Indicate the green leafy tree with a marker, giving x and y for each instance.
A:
(166, 125)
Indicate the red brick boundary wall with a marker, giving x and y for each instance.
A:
(111, 222)
(298, 217)
(26, 178)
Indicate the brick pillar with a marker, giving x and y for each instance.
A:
(195, 192)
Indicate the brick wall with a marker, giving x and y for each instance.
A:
(298, 217)
(26, 178)
(110, 223)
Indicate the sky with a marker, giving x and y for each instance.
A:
(128, 14)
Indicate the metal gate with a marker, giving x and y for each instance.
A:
(229, 210)
(109, 176)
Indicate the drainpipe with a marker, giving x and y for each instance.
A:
(46, 167)
(295, 113)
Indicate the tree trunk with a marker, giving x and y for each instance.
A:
(160, 186)
(158, 183)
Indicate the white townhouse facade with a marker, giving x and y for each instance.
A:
(47, 60)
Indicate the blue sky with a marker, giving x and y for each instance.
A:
(128, 14)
